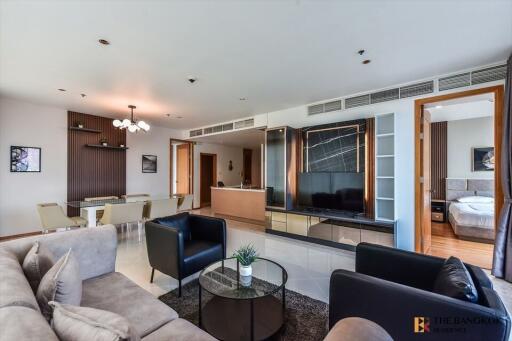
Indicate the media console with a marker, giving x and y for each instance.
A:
(335, 229)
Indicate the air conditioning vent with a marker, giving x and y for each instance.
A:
(489, 74)
(453, 82)
(357, 101)
(217, 129)
(385, 96)
(244, 124)
(332, 106)
(227, 127)
(197, 132)
(208, 130)
(316, 109)
(417, 89)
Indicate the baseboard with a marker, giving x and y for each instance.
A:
(21, 235)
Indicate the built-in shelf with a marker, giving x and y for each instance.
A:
(385, 135)
(385, 155)
(385, 177)
(385, 167)
(105, 147)
(384, 198)
(86, 130)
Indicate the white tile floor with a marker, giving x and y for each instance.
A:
(309, 266)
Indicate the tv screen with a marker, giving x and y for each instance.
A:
(332, 190)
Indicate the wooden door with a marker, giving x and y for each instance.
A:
(247, 171)
(208, 177)
(183, 168)
(425, 183)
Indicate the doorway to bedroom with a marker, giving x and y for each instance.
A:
(458, 176)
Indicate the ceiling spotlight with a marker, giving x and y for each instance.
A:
(104, 42)
(179, 117)
(242, 98)
(83, 95)
(439, 106)
(366, 61)
(61, 89)
(361, 52)
(191, 79)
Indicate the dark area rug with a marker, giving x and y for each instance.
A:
(306, 318)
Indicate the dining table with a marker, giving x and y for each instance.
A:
(89, 209)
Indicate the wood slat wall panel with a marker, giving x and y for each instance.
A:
(439, 159)
(94, 172)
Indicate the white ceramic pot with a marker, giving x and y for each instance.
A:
(245, 270)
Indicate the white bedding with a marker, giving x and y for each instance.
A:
(473, 214)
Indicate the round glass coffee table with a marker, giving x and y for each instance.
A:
(234, 307)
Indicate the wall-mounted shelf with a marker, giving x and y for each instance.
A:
(86, 130)
(105, 147)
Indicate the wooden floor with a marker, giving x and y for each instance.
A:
(445, 244)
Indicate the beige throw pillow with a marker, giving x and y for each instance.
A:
(36, 264)
(72, 323)
(62, 284)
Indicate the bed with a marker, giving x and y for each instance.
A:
(471, 208)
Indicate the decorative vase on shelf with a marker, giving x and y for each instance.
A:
(245, 270)
(80, 126)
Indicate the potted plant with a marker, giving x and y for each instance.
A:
(246, 255)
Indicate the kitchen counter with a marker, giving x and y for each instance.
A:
(245, 204)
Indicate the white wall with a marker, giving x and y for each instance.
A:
(224, 154)
(155, 142)
(33, 125)
(463, 135)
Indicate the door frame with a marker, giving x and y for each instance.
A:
(191, 165)
(214, 171)
(498, 91)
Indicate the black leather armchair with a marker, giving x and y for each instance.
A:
(392, 287)
(183, 244)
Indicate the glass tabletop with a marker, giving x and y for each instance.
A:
(223, 279)
(95, 203)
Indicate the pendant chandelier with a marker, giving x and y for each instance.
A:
(130, 124)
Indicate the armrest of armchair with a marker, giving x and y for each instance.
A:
(165, 247)
(399, 266)
(394, 307)
(208, 228)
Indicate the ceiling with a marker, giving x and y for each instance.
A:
(249, 138)
(462, 108)
(276, 54)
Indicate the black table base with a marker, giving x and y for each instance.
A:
(253, 319)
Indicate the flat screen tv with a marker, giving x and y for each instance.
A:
(339, 191)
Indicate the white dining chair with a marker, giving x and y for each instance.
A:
(186, 205)
(53, 217)
(162, 208)
(124, 214)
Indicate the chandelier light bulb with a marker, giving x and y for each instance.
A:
(117, 123)
(132, 128)
(126, 123)
(141, 124)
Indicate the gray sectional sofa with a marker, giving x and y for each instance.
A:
(103, 288)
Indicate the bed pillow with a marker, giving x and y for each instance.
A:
(455, 281)
(476, 199)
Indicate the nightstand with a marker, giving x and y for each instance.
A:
(438, 208)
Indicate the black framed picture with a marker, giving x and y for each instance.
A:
(25, 159)
(148, 163)
(483, 159)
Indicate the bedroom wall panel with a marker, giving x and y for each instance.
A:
(439, 159)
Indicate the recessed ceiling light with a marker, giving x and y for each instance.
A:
(366, 61)
(242, 98)
(61, 89)
(361, 52)
(439, 106)
(104, 42)
(83, 95)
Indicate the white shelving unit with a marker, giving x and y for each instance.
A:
(385, 167)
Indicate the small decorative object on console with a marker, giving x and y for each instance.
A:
(104, 142)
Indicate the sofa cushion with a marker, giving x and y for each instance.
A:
(14, 287)
(72, 323)
(179, 329)
(455, 281)
(116, 293)
(36, 264)
(178, 221)
(61, 284)
(24, 324)
(200, 253)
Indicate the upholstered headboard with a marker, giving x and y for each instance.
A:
(458, 188)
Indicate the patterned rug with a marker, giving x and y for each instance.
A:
(306, 318)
